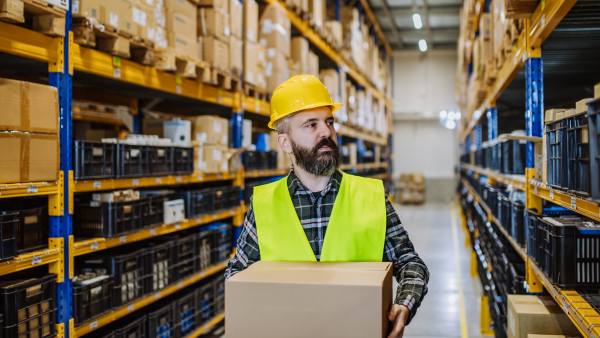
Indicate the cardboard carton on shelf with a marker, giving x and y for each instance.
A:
(275, 77)
(236, 18)
(29, 157)
(597, 91)
(313, 64)
(304, 299)
(235, 56)
(250, 62)
(251, 20)
(180, 6)
(581, 106)
(275, 29)
(210, 129)
(183, 45)
(214, 22)
(137, 19)
(214, 159)
(28, 106)
(300, 53)
(181, 23)
(215, 52)
(222, 4)
(334, 28)
(537, 315)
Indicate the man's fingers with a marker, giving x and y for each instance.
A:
(393, 313)
(397, 329)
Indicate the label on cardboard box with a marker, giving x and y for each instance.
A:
(150, 33)
(217, 126)
(138, 16)
(114, 19)
(251, 35)
(75, 8)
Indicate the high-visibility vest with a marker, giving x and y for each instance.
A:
(355, 232)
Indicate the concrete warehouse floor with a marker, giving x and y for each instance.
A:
(430, 228)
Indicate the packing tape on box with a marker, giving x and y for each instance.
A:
(44, 157)
(268, 26)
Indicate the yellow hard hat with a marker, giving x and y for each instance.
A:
(299, 93)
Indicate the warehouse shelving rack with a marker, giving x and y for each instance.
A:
(61, 62)
(528, 54)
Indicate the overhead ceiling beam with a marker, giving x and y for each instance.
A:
(423, 34)
(386, 10)
(375, 22)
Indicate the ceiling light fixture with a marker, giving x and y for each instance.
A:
(417, 21)
(422, 45)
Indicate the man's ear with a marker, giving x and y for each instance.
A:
(284, 143)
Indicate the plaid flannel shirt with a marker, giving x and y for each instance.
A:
(314, 211)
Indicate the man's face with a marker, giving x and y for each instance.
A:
(314, 142)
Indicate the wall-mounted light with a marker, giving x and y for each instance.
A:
(417, 21)
(449, 119)
(422, 45)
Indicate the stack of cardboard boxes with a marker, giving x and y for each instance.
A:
(336, 84)
(254, 53)
(412, 188)
(176, 27)
(211, 141)
(235, 40)
(214, 32)
(29, 137)
(274, 35)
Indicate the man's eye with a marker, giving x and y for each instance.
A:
(310, 125)
(330, 123)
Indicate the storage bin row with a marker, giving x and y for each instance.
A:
(97, 160)
(24, 226)
(127, 275)
(94, 218)
(174, 317)
(507, 157)
(28, 307)
(258, 160)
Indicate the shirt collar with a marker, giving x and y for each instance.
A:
(295, 186)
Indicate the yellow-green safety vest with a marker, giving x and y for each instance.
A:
(355, 232)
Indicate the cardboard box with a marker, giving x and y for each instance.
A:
(308, 299)
(183, 44)
(29, 157)
(537, 315)
(261, 79)
(313, 64)
(215, 52)
(250, 62)
(210, 129)
(275, 29)
(334, 28)
(235, 56)
(276, 59)
(549, 336)
(316, 8)
(213, 22)
(275, 77)
(236, 16)
(181, 24)
(160, 15)
(28, 106)
(137, 19)
(222, 4)
(299, 53)
(597, 91)
(215, 158)
(180, 6)
(85, 8)
(251, 20)
(552, 114)
(581, 106)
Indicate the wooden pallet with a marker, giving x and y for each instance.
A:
(46, 18)
(251, 90)
(88, 32)
(223, 79)
(169, 60)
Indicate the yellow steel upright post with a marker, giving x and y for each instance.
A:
(486, 320)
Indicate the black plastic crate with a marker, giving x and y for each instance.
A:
(163, 322)
(185, 256)
(187, 309)
(153, 210)
(132, 160)
(28, 307)
(223, 234)
(92, 298)
(128, 270)
(93, 160)
(218, 296)
(249, 159)
(197, 202)
(272, 157)
(262, 160)
(578, 154)
(205, 298)
(517, 223)
(594, 146)
(221, 198)
(160, 266)
(160, 159)
(204, 248)
(9, 223)
(513, 157)
(516, 279)
(504, 212)
(221, 253)
(531, 224)
(556, 147)
(490, 197)
(136, 329)
(234, 197)
(183, 160)
(480, 157)
(108, 219)
(32, 230)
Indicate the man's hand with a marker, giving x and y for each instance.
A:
(398, 316)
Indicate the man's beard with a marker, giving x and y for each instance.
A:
(315, 162)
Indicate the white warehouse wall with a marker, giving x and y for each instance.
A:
(423, 85)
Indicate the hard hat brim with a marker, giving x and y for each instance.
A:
(334, 107)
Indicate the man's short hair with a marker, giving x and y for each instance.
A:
(283, 125)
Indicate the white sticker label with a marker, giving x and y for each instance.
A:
(217, 154)
(573, 202)
(543, 20)
(123, 239)
(94, 325)
(114, 19)
(117, 73)
(152, 232)
(151, 33)
(516, 59)
(178, 226)
(535, 189)
(220, 98)
(97, 185)
(566, 306)
(32, 189)
(227, 31)
(178, 179)
(157, 295)
(202, 274)
(150, 2)
(257, 108)
(178, 89)
(138, 16)
(135, 182)
(94, 204)
(219, 176)
(75, 9)
(130, 308)
(180, 285)
(551, 194)
(217, 126)
(94, 246)
(158, 180)
(36, 260)
(200, 178)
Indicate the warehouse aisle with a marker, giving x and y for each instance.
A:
(430, 229)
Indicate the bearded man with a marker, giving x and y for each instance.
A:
(317, 212)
